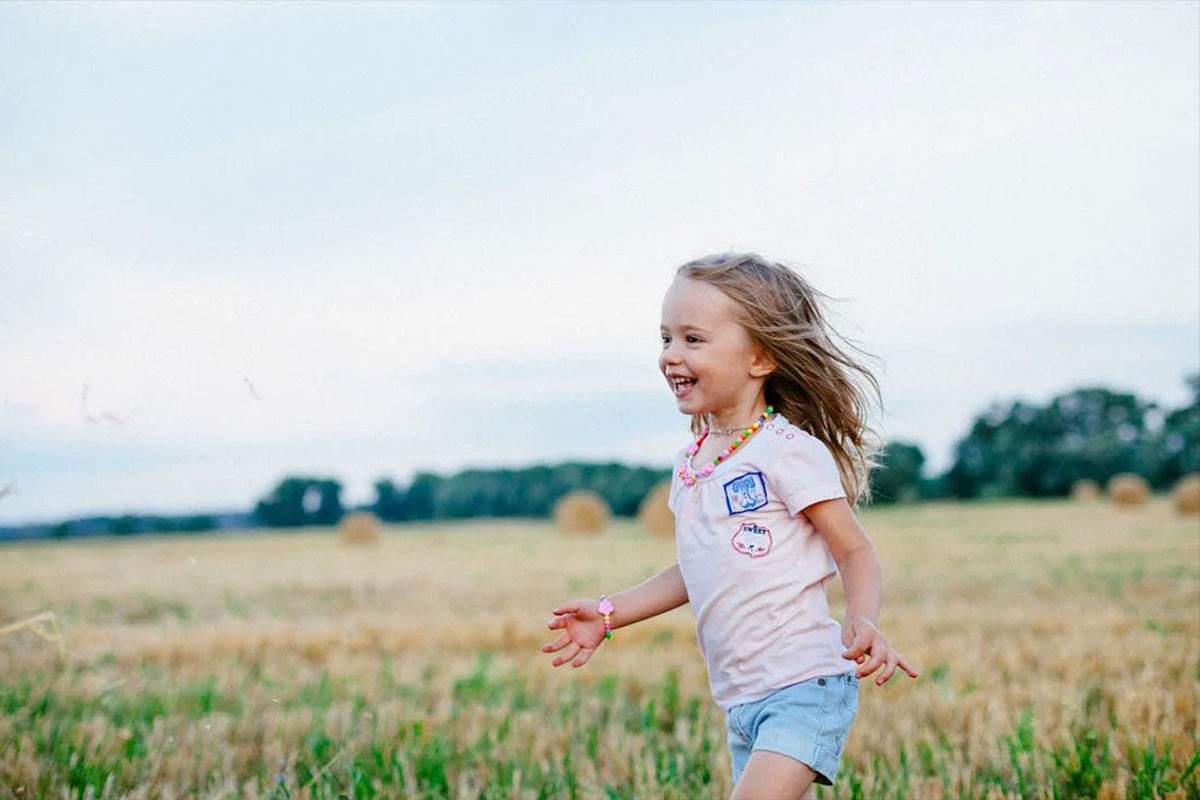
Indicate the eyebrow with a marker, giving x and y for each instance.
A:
(685, 328)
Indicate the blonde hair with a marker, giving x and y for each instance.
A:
(817, 383)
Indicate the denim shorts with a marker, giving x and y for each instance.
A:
(807, 721)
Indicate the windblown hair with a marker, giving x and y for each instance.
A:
(817, 384)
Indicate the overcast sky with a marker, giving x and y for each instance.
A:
(244, 240)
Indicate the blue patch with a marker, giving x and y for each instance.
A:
(746, 492)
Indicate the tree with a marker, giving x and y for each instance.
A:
(1179, 440)
(528, 492)
(1022, 449)
(898, 476)
(299, 501)
(391, 502)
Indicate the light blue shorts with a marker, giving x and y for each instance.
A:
(807, 721)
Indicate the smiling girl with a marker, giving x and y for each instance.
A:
(763, 520)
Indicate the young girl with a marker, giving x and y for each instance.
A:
(763, 519)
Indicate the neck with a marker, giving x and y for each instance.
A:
(734, 423)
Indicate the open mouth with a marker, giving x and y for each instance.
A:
(681, 386)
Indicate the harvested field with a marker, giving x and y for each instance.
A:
(1059, 645)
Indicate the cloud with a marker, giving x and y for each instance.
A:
(384, 218)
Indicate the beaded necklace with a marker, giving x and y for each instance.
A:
(685, 471)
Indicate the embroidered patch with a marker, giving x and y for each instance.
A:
(752, 540)
(746, 492)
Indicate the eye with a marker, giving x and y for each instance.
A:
(693, 339)
(666, 340)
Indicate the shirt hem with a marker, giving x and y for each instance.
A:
(754, 697)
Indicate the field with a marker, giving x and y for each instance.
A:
(1059, 645)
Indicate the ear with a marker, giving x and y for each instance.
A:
(762, 363)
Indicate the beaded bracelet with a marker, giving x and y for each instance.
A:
(606, 609)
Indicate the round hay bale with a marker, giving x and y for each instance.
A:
(581, 512)
(1085, 490)
(654, 513)
(361, 527)
(1186, 495)
(1128, 490)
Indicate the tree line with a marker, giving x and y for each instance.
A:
(1014, 449)
(1018, 449)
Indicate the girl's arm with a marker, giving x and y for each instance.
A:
(582, 625)
(862, 579)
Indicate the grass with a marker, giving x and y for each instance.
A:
(1060, 647)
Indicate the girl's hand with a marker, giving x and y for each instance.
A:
(866, 647)
(582, 629)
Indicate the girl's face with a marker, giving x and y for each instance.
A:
(711, 364)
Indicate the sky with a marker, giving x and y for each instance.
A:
(245, 240)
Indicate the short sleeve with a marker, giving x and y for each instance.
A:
(805, 473)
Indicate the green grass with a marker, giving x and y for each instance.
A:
(489, 742)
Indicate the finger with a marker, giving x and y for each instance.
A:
(873, 663)
(570, 608)
(584, 656)
(572, 651)
(907, 667)
(559, 622)
(862, 641)
(889, 669)
(557, 644)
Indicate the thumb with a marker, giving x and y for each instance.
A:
(847, 635)
(573, 607)
(859, 645)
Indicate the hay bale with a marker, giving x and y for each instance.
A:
(361, 527)
(1085, 490)
(654, 513)
(1186, 495)
(1128, 490)
(581, 512)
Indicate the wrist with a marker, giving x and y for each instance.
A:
(605, 609)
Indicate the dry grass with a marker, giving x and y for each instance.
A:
(1041, 618)
(581, 512)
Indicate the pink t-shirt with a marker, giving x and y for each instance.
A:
(755, 567)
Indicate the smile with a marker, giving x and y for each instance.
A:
(681, 386)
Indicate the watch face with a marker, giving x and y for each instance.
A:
(605, 607)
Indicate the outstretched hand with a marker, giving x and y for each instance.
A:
(582, 629)
(866, 647)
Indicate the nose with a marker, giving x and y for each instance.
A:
(669, 355)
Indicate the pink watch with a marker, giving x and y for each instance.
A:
(606, 609)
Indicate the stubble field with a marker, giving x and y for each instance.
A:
(1059, 646)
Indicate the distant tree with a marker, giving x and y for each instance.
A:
(1022, 449)
(391, 502)
(422, 496)
(898, 476)
(298, 501)
(197, 523)
(528, 492)
(124, 525)
(329, 503)
(1178, 442)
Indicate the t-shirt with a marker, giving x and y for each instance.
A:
(755, 567)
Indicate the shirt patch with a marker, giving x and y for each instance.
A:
(746, 492)
(752, 540)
